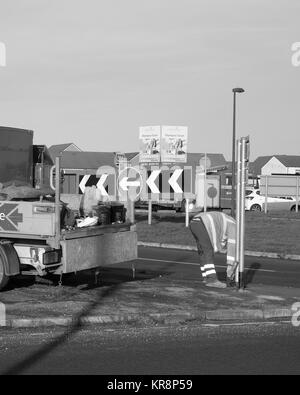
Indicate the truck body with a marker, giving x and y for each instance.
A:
(16, 155)
(32, 240)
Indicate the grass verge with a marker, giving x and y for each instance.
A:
(277, 232)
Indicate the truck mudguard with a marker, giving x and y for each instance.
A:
(10, 259)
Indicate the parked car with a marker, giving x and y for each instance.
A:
(254, 201)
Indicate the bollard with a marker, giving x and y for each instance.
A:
(187, 213)
(2, 314)
(149, 212)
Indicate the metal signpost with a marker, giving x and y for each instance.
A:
(242, 171)
(205, 164)
(238, 210)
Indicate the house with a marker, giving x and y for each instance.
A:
(282, 164)
(57, 150)
(256, 166)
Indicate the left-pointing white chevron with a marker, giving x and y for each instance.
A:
(151, 179)
(100, 184)
(173, 181)
(83, 182)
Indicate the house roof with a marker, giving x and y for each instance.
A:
(131, 155)
(193, 158)
(56, 150)
(260, 161)
(289, 160)
(215, 159)
(286, 160)
(86, 160)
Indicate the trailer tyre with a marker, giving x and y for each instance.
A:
(3, 277)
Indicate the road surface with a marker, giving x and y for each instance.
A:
(183, 350)
(184, 264)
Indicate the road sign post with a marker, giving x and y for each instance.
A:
(297, 194)
(242, 212)
(205, 164)
(204, 189)
(242, 168)
(238, 208)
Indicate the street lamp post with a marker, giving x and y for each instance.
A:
(235, 91)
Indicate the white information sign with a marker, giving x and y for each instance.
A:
(149, 144)
(174, 144)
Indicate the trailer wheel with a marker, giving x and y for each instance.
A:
(3, 277)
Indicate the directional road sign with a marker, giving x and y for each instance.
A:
(106, 183)
(10, 217)
(167, 182)
(130, 184)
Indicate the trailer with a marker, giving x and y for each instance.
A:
(33, 242)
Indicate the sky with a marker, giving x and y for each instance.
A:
(92, 72)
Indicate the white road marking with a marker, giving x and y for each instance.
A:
(197, 264)
(247, 323)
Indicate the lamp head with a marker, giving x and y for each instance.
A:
(238, 90)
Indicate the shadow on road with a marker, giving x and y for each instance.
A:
(87, 279)
(110, 281)
(35, 357)
(251, 271)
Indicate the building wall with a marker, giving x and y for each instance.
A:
(72, 147)
(274, 166)
(294, 170)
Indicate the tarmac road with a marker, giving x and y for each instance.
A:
(216, 348)
(271, 348)
(181, 264)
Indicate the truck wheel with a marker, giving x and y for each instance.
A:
(255, 207)
(3, 277)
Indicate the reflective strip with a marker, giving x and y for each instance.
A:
(213, 229)
(230, 220)
(209, 266)
(232, 241)
(230, 258)
(202, 268)
(224, 226)
(203, 274)
(207, 273)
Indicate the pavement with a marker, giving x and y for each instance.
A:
(152, 297)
